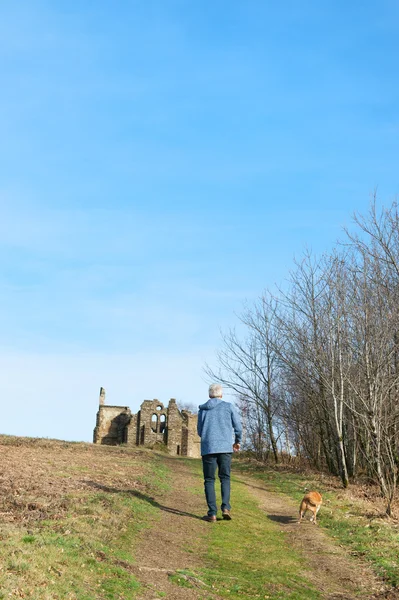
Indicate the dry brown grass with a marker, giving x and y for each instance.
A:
(69, 517)
(40, 478)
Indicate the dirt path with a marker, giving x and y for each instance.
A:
(161, 553)
(333, 571)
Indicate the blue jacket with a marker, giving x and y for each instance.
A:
(216, 421)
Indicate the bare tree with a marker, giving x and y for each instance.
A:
(313, 326)
(376, 325)
(316, 365)
(249, 367)
(186, 405)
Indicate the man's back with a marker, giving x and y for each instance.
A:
(216, 421)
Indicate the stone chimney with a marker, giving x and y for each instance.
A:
(102, 396)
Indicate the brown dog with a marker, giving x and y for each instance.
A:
(311, 501)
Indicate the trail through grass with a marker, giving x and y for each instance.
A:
(376, 540)
(248, 557)
(72, 517)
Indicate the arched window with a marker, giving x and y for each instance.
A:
(154, 422)
(162, 423)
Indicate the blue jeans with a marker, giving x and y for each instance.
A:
(209, 464)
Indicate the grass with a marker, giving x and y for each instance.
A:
(69, 558)
(71, 523)
(248, 557)
(72, 514)
(343, 516)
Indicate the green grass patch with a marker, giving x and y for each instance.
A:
(158, 475)
(375, 540)
(82, 564)
(249, 557)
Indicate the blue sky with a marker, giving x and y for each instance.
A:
(161, 163)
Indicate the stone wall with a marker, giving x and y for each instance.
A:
(133, 432)
(174, 433)
(191, 442)
(111, 425)
(154, 423)
(149, 416)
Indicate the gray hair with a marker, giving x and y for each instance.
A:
(215, 390)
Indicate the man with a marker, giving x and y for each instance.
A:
(216, 421)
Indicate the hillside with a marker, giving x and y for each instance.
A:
(84, 522)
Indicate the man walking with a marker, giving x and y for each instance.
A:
(217, 420)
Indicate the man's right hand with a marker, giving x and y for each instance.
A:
(236, 447)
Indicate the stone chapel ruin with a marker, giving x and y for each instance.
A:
(154, 423)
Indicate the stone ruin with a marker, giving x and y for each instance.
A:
(153, 424)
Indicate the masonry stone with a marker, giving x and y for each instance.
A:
(102, 396)
(153, 424)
